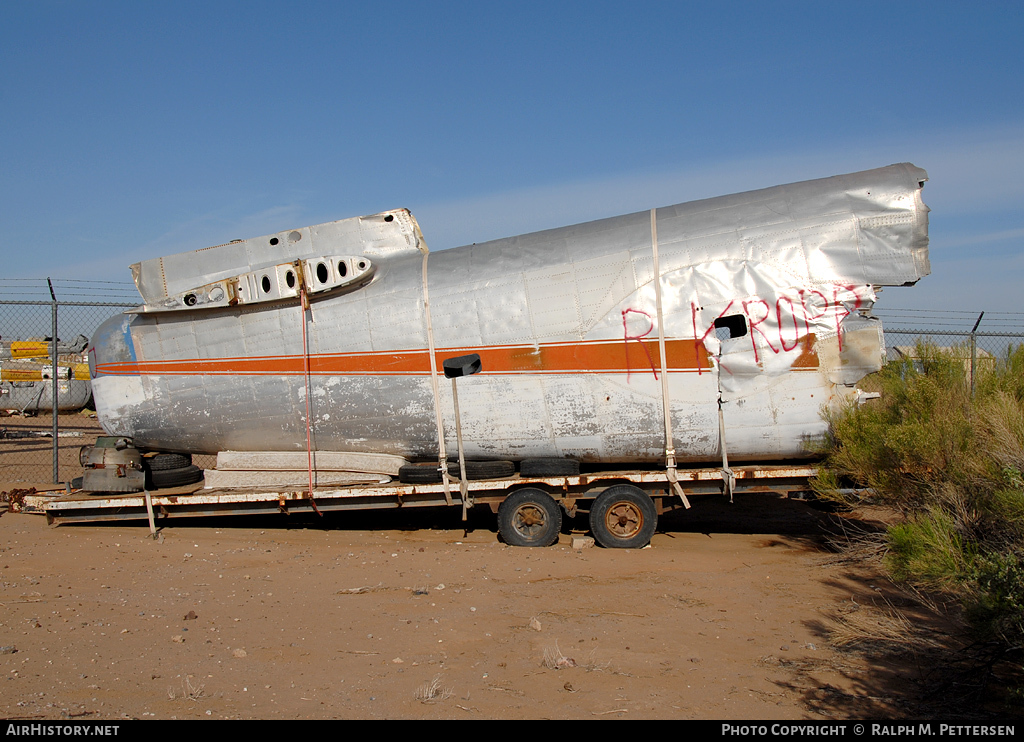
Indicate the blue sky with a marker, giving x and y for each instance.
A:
(137, 129)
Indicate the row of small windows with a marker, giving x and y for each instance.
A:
(323, 275)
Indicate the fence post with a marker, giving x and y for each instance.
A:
(974, 350)
(53, 375)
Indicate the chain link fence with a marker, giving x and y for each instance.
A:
(39, 444)
(981, 338)
(980, 350)
(44, 329)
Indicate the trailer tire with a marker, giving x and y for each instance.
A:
(529, 517)
(166, 461)
(176, 477)
(623, 517)
(549, 467)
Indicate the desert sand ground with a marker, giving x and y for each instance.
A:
(727, 615)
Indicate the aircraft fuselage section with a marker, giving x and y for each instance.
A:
(765, 305)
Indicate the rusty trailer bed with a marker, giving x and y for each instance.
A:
(190, 502)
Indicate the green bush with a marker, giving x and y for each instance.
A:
(951, 463)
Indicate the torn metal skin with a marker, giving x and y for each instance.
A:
(766, 306)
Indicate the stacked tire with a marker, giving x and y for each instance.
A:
(549, 467)
(165, 470)
(431, 474)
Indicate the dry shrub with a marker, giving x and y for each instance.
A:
(555, 660)
(433, 691)
(189, 692)
(951, 462)
(861, 625)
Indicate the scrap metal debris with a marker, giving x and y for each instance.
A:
(15, 499)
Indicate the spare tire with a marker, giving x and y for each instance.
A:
(419, 474)
(487, 469)
(176, 477)
(165, 461)
(431, 474)
(549, 467)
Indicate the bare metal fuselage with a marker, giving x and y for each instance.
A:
(27, 376)
(765, 300)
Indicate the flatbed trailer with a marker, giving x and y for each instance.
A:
(623, 504)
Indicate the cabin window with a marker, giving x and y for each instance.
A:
(732, 326)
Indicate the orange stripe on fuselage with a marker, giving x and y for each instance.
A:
(603, 356)
(595, 356)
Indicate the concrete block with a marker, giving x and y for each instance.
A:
(371, 463)
(263, 479)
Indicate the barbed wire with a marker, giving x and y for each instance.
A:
(67, 289)
(899, 318)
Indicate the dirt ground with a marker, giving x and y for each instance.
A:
(407, 615)
(26, 445)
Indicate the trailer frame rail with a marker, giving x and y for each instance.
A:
(572, 492)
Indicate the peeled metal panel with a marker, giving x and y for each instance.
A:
(859, 351)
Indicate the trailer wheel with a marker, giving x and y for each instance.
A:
(529, 517)
(623, 517)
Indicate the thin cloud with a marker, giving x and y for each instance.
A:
(220, 226)
(981, 239)
(970, 172)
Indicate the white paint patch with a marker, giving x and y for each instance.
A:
(116, 398)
